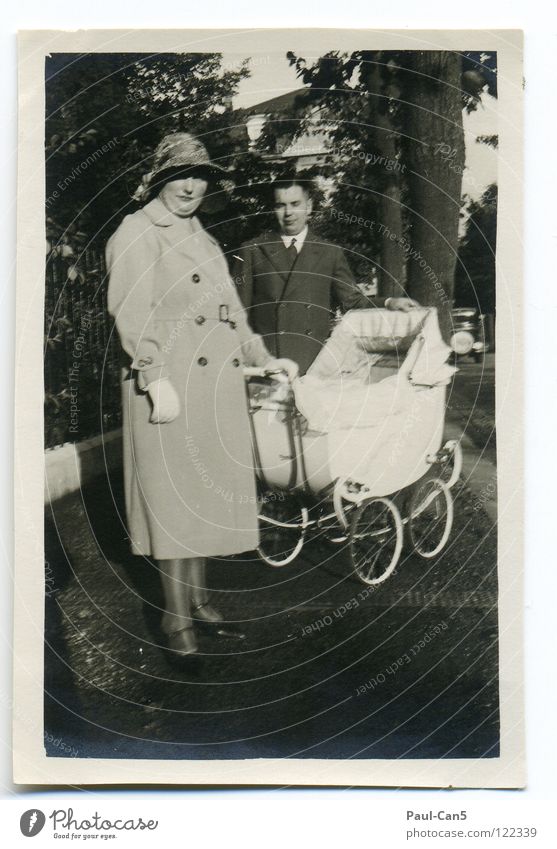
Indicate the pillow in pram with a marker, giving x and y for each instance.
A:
(385, 331)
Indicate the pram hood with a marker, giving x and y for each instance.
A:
(379, 431)
(363, 337)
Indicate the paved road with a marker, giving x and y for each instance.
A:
(471, 403)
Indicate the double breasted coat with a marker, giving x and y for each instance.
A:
(292, 306)
(189, 484)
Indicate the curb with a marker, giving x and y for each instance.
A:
(479, 474)
(70, 467)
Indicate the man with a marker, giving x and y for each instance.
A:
(290, 280)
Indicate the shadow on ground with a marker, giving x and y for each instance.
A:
(328, 669)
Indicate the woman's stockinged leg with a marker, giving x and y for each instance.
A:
(177, 584)
(186, 603)
(176, 579)
(201, 607)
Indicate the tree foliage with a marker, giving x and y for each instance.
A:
(105, 114)
(475, 274)
(403, 108)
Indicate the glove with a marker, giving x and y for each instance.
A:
(289, 366)
(165, 400)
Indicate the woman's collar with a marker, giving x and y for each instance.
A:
(157, 212)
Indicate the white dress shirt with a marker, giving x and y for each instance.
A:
(300, 239)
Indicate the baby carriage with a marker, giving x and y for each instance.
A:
(352, 452)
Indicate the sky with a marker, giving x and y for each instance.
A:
(271, 75)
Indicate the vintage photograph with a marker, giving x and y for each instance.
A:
(271, 333)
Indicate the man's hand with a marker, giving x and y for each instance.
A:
(402, 304)
(166, 403)
(283, 364)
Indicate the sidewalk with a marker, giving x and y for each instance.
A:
(479, 472)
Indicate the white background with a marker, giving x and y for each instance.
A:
(329, 817)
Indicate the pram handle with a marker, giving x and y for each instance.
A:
(257, 371)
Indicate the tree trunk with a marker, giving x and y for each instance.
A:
(434, 156)
(382, 143)
(391, 281)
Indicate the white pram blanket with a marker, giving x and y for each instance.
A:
(379, 428)
(331, 404)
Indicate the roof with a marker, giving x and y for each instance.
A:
(276, 104)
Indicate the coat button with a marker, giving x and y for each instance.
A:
(281, 332)
(309, 332)
(308, 306)
(235, 362)
(202, 361)
(200, 319)
(196, 278)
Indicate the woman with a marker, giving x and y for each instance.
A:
(189, 480)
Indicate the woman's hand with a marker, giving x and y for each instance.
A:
(166, 403)
(282, 364)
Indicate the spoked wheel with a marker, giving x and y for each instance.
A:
(430, 517)
(282, 527)
(376, 536)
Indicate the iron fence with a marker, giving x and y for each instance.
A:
(81, 349)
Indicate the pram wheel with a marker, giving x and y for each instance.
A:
(282, 527)
(430, 517)
(375, 542)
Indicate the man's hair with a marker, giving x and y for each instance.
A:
(286, 181)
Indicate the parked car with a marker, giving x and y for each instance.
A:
(468, 333)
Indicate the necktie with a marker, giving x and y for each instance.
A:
(292, 253)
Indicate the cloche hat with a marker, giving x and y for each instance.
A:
(178, 153)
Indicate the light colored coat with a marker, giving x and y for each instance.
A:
(189, 484)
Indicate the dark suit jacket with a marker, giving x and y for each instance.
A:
(292, 309)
